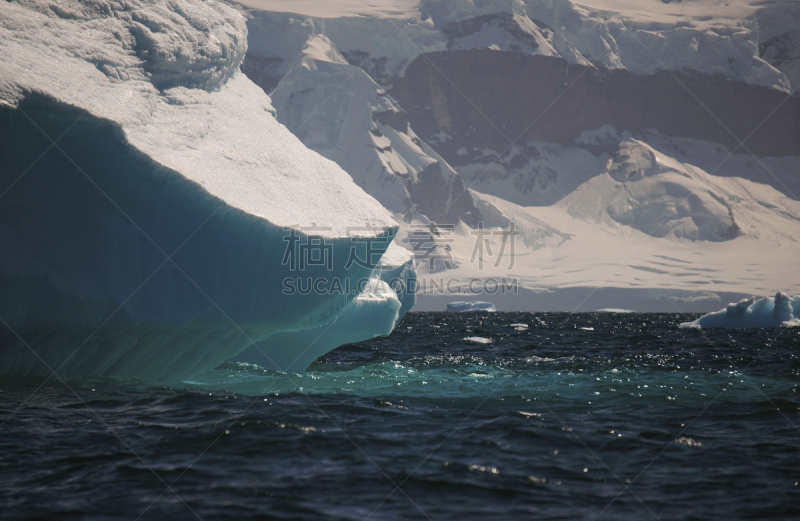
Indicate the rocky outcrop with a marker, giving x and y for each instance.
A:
(442, 198)
(779, 38)
(263, 71)
(540, 98)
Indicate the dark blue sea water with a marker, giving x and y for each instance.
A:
(452, 417)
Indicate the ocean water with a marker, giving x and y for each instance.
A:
(453, 416)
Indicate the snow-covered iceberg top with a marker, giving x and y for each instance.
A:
(778, 311)
(167, 74)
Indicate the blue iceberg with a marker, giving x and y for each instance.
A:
(146, 196)
(778, 311)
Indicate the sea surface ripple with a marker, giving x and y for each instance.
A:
(453, 416)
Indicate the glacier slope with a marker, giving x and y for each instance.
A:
(647, 226)
(337, 110)
(149, 240)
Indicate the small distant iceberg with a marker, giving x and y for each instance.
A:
(778, 311)
(460, 307)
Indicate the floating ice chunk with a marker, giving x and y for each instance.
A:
(470, 306)
(778, 311)
(533, 359)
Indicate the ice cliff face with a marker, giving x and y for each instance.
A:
(386, 297)
(151, 206)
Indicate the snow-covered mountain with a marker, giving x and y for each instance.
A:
(648, 154)
(707, 36)
(153, 210)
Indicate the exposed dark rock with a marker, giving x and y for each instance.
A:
(440, 202)
(504, 21)
(398, 120)
(610, 149)
(733, 230)
(263, 71)
(543, 98)
(780, 50)
(375, 67)
(539, 179)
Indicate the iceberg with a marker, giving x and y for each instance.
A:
(778, 311)
(152, 208)
(460, 307)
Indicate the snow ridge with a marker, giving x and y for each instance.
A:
(704, 35)
(337, 110)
